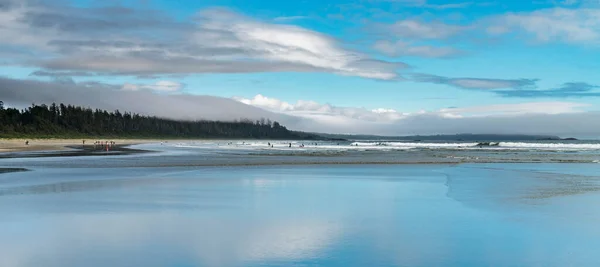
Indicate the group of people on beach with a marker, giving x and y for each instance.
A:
(104, 145)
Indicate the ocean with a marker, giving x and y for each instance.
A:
(245, 203)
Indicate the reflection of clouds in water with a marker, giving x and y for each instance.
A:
(84, 239)
(259, 183)
(294, 240)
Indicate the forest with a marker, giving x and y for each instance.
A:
(68, 121)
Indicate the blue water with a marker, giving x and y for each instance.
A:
(318, 215)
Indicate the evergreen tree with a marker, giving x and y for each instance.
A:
(68, 120)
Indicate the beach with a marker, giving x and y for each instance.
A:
(19, 145)
(264, 203)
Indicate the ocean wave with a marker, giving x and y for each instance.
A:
(580, 146)
(386, 146)
(492, 145)
(414, 145)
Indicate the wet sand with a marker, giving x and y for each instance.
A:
(74, 151)
(19, 145)
(8, 170)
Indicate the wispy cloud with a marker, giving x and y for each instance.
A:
(426, 4)
(573, 89)
(415, 37)
(418, 29)
(569, 2)
(160, 86)
(475, 83)
(289, 18)
(555, 107)
(575, 26)
(400, 48)
(513, 88)
(571, 22)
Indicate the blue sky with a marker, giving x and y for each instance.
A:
(375, 60)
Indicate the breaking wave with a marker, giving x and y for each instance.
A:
(385, 146)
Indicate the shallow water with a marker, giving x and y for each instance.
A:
(87, 211)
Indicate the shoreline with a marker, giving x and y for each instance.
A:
(67, 144)
(69, 151)
(11, 145)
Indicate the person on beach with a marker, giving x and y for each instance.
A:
(26, 143)
(290, 145)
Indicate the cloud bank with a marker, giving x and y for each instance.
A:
(560, 118)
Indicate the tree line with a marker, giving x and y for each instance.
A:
(75, 121)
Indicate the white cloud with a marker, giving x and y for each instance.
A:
(573, 22)
(383, 110)
(287, 43)
(266, 103)
(415, 29)
(577, 26)
(400, 48)
(525, 118)
(318, 111)
(160, 86)
(329, 114)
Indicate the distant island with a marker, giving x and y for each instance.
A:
(68, 121)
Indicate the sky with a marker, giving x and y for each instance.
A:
(389, 67)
